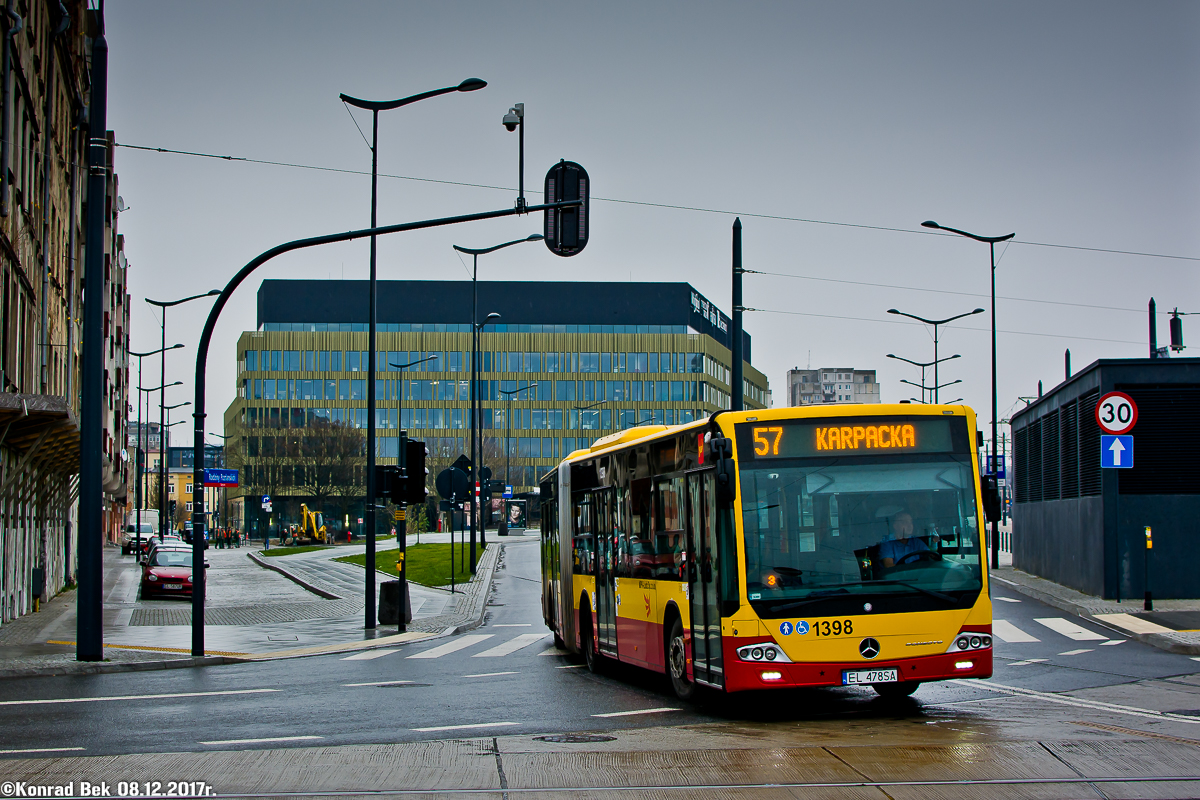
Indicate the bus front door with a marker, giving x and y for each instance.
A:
(704, 580)
(606, 602)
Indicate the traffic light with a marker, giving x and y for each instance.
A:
(389, 483)
(566, 229)
(174, 503)
(414, 491)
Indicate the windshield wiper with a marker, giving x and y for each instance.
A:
(945, 598)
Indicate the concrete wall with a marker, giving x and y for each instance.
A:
(1062, 541)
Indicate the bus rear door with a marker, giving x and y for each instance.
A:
(606, 602)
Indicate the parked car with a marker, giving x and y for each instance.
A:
(154, 541)
(168, 571)
(129, 540)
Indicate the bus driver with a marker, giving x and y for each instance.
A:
(902, 543)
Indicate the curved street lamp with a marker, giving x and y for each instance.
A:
(375, 106)
(923, 365)
(935, 323)
(990, 241)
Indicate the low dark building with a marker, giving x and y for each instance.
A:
(1083, 526)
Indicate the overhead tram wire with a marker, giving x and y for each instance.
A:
(956, 327)
(948, 291)
(647, 204)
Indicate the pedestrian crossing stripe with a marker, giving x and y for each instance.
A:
(1006, 631)
(1070, 629)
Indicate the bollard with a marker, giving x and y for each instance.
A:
(1149, 604)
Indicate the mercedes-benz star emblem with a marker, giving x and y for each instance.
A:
(868, 648)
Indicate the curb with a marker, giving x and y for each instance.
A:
(99, 667)
(328, 595)
(1159, 640)
(485, 592)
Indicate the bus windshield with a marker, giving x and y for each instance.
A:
(853, 536)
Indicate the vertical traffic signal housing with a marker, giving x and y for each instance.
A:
(566, 229)
(417, 474)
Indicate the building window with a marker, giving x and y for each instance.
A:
(188, 489)
(189, 506)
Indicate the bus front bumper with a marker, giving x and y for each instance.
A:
(743, 676)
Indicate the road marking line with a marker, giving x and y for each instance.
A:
(553, 651)
(465, 727)
(513, 625)
(1195, 658)
(1027, 661)
(1095, 705)
(490, 674)
(635, 713)
(133, 697)
(1132, 623)
(376, 683)
(995, 577)
(1075, 652)
(1114, 641)
(512, 645)
(453, 647)
(1006, 599)
(1005, 630)
(264, 741)
(367, 655)
(41, 750)
(1070, 629)
(581, 666)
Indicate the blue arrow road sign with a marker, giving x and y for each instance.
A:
(1116, 452)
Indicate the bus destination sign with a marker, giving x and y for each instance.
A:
(847, 436)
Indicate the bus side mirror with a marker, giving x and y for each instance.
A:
(991, 498)
(722, 451)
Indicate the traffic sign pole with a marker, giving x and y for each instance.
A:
(1116, 414)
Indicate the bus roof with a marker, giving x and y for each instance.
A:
(626, 437)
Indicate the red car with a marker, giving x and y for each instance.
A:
(168, 572)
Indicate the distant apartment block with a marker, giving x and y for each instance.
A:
(831, 386)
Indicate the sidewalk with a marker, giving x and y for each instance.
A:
(1127, 616)
(251, 613)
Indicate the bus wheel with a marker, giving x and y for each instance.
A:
(677, 663)
(590, 654)
(893, 691)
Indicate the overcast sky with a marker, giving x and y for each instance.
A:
(1066, 123)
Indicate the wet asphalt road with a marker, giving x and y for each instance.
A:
(470, 686)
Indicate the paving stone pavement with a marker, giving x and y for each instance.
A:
(249, 615)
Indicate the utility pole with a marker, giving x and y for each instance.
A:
(735, 403)
(90, 625)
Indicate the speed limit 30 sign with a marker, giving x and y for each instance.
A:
(1116, 413)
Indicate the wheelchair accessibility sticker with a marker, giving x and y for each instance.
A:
(801, 627)
(785, 628)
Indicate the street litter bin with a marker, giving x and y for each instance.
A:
(389, 603)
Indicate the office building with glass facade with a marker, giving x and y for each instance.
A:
(565, 364)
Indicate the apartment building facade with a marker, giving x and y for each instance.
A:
(44, 94)
(831, 386)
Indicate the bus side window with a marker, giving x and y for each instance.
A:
(583, 543)
(641, 543)
(668, 528)
(623, 567)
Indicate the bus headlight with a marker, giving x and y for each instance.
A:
(970, 640)
(763, 652)
(772, 676)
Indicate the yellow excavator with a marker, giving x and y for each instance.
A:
(312, 528)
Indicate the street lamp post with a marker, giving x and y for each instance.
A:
(402, 528)
(588, 407)
(476, 327)
(477, 431)
(991, 242)
(163, 459)
(162, 417)
(508, 429)
(139, 455)
(935, 323)
(375, 106)
(923, 365)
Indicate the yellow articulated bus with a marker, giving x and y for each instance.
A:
(819, 546)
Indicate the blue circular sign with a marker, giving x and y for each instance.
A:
(785, 628)
(801, 627)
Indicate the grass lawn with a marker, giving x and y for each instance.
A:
(428, 564)
(287, 551)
